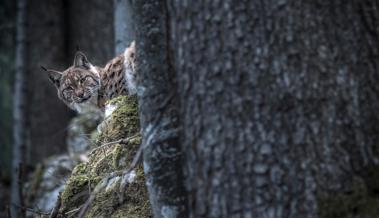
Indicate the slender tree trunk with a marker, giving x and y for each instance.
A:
(124, 32)
(278, 100)
(19, 114)
(158, 111)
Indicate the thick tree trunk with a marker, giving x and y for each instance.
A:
(47, 46)
(19, 114)
(123, 25)
(278, 100)
(158, 111)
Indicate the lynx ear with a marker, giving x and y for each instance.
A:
(54, 76)
(81, 60)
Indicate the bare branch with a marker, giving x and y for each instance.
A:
(120, 141)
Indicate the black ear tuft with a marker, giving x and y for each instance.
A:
(81, 60)
(55, 77)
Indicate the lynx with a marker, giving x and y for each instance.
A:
(83, 84)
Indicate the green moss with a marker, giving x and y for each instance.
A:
(118, 100)
(135, 205)
(94, 137)
(123, 123)
(116, 155)
(79, 169)
(76, 191)
(136, 141)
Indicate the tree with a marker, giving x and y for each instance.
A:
(276, 103)
(19, 113)
(7, 71)
(158, 111)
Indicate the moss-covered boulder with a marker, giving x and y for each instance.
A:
(107, 159)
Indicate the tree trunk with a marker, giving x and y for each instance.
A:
(124, 32)
(47, 46)
(158, 111)
(7, 66)
(19, 113)
(278, 102)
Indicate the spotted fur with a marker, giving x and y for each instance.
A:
(83, 84)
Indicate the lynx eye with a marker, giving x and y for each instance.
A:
(84, 79)
(68, 89)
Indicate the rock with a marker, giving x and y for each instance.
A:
(88, 163)
(48, 180)
(113, 159)
(81, 133)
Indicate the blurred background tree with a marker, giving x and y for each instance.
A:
(7, 42)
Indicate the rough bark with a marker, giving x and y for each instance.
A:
(123, 25)
(158, 111)
(19, 113)
(278, 100)
(47, 46)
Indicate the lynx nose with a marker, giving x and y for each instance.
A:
(80, 93)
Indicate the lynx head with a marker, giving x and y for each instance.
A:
(78, 84)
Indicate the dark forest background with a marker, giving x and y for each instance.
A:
(54, 29)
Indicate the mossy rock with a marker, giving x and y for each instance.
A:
(102, 161)
(124, 121)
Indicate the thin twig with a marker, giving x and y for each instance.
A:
(73, 210)
(120, 141)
